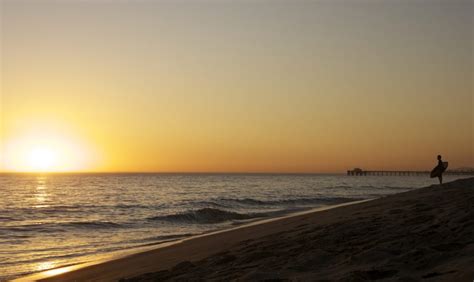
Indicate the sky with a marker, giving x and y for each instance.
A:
(235, 86)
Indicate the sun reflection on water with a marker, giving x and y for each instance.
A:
(45, 265)
(41, 195)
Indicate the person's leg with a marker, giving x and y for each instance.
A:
(440, 179)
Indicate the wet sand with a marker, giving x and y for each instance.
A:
(425, 234)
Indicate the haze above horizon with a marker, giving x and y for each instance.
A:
(235, 86)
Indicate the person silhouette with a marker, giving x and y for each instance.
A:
(441, 169)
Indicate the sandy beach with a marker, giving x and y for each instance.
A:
(422, 234)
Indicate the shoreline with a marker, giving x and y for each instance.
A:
(414, 235)
(55, 272)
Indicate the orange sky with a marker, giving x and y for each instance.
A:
(235, 86)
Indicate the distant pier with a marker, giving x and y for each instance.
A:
(361, 172)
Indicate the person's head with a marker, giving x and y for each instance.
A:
(439, 157)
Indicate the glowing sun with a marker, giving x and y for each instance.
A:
(46, 152)
(42, 159)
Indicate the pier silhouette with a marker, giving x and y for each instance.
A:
(361, 172)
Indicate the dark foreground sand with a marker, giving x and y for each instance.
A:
(422, 235)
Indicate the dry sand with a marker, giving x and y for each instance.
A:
(426, 234)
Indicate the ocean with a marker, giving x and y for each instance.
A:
(49, 221)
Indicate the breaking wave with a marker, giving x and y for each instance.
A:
(59, 227)
(207, 216)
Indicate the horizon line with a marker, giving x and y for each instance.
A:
(200, 172)
(164, 172)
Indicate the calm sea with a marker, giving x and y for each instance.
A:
(48, 221)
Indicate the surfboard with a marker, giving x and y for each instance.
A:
(437, 171)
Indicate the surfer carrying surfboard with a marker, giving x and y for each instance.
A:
(439, 169)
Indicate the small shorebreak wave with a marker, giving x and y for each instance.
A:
(207, 216)
(287, 202)
(219, 210)
(59, 227)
